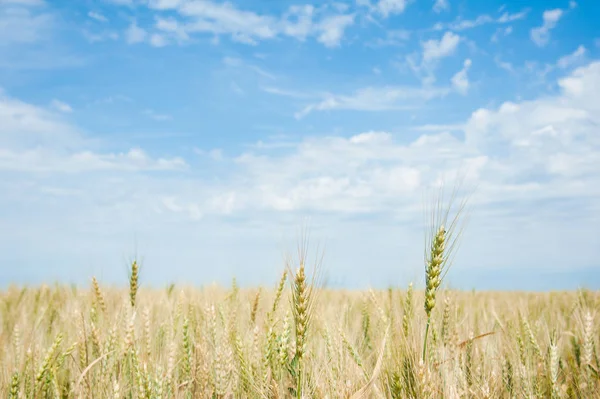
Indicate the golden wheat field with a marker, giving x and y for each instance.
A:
(295, 340)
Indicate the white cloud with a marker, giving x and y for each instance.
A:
(22, 25)
(47, 161)
(37, 139)
(240, 64)
(541, 35)
(484, 19)
(97, 16)
(546, 125)
(529, 151)
(433, 51)
(330, 174)
(298, 21)
(501, 32)
(332, 29)
(25, 125)
(135, 34)
(507, 66)
(436, 49)
(61, 106)
(172, 28)
(100, 37)
(508, 17)
(157, 40)
(460, 81)
(249, 27)
(223, 18)
(384, 8)
(394, 37)
(534, 164)
(376, 99)
(441, 5)
(572, 59)
(285, 93)
(390, 7)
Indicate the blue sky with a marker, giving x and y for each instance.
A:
(201, 135)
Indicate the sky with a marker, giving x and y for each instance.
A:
(200, 136)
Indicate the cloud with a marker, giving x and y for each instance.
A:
(34, 139)
(508, 17)
(134, 34)
(434, 50)
(221, 18)
(31, 38)
(225, 18)
(326, 24)
(501, 32)
(61, 106)
(460, 81)
(394, 37)
(384, 8)
(100, 37)
(528, 151)
(97, 16)
(390, 7)
(237, 63)
(544, 126)
(25, 125)
(157, 40)
(541, 35)
(483, 19)
(537, 150)
(303, 25)
(507, 66)
(285, 93)
(534, 164)
(332, 29)
(376, 99)
(572, 59)
(46, 161)
(24, 25)
(441, 5)
(171, 28)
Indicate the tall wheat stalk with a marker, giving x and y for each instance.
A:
(441, 245)
(303, 301)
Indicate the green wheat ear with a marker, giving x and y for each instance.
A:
(303, 300)
(442, 242)
(133, 282)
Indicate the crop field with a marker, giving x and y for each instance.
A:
(296, 340)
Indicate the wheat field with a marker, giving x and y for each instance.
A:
(295, 341)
